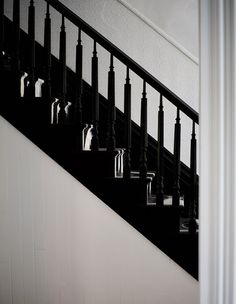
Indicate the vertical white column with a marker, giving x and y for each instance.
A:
(217, 152)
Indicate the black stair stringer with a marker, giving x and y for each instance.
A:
(58, 142)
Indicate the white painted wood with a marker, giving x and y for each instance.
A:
(217, 152)
(60, 244)
(160, 31)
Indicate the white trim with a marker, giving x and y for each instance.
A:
(158, 30)
(217, 152)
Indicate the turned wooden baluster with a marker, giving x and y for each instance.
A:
(30, 90)
(46, 87)
(1, 30)
(16, 48)
(127, 112)
(193, 179)
(95, 100)
(79, 90)
(16, 35)
(160, 158)
(144, 136)
(62, 116)
(176, 168)
(111, 141)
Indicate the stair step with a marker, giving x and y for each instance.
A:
(97, 164)
(119, 192)
(184, 225)
(136, 174)
(160, 220)
(167, 200)
(28, 111)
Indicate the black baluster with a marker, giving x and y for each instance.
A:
(62, 116)
(95, 100)
(176, 167)
(79, 90)
(193, 178)
(54, 109)
(16, 35)
(46, 87)
(127, 112)
(16, 48)
(30, 90)
(144, 138)
(111, 141)
(160, 158)
(1, 31)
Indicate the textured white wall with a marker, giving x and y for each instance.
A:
(144, 45)
(60, 244)
(178, 19)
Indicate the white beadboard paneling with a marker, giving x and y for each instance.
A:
(5, 281)
(63, 245)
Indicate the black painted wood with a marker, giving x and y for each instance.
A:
(16, 36)
(144, 141)
(62, 116)
(128, 138)
(176, 168)
(54, 110)
(1, 29)
(127, 211)
(160, 159)
(116, 52)
(95, 100)
(46, 87)
(193, 187)
(78, 119)
(30, 89)
(152, 148)
(111, 141)
(16, 48)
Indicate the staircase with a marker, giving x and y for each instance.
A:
(94, 141)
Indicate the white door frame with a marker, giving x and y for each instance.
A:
(217, 152)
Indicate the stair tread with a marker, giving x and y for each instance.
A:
(136, 173)
(167, 200)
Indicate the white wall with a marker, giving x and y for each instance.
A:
(61, 244)
(178, 19)
(144, 45)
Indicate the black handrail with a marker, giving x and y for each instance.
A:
(125, 59)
